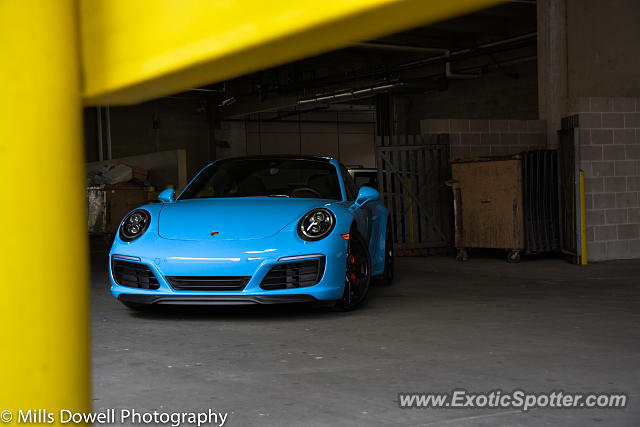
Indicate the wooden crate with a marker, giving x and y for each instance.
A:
(491, 209)
(121, 199)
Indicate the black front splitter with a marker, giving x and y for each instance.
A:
(138, 299)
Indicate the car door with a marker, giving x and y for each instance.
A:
(365, 215)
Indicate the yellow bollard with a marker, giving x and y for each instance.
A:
(584, 255)
(44, 303)
(410, 200)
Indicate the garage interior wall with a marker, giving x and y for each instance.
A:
(602, 48)
(510, 92)
(346, 135)
(589, 73)
(586, 49)
(164, 124)
(168, 124)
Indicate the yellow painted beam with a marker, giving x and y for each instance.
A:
(44, 353)
(136, 50)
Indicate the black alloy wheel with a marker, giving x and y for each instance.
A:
(357, 273)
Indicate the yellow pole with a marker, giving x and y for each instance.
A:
(411, 239)
(584, 255)
(44, 355)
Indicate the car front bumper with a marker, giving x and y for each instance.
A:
(252, 258)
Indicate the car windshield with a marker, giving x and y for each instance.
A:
(266, 177)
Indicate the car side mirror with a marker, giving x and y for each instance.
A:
(366, 195)
(167, 196)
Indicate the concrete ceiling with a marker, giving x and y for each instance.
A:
(404, 68)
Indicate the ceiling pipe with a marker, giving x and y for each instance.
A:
(443, 53)
(432, 59)
(455, 55)
(350, 94)
(400, 48)
(461, 52)
(457, 76)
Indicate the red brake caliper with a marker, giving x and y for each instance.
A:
(352, 260)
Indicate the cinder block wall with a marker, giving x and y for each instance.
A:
(474, 138)
(609, 135)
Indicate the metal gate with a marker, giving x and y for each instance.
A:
(540, 201)
(411, 179)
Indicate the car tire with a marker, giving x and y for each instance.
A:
(357, 274)
(386, 278)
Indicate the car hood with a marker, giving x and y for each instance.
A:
(231, 218)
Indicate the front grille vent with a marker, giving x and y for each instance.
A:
(208, 283)
(133, 275)
(291, 275)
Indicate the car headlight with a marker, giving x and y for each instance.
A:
(316, 224)
(134, 225)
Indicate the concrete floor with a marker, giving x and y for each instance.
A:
(540, 325)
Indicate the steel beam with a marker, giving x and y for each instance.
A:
(135, 51)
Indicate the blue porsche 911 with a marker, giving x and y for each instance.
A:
(256, 230)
